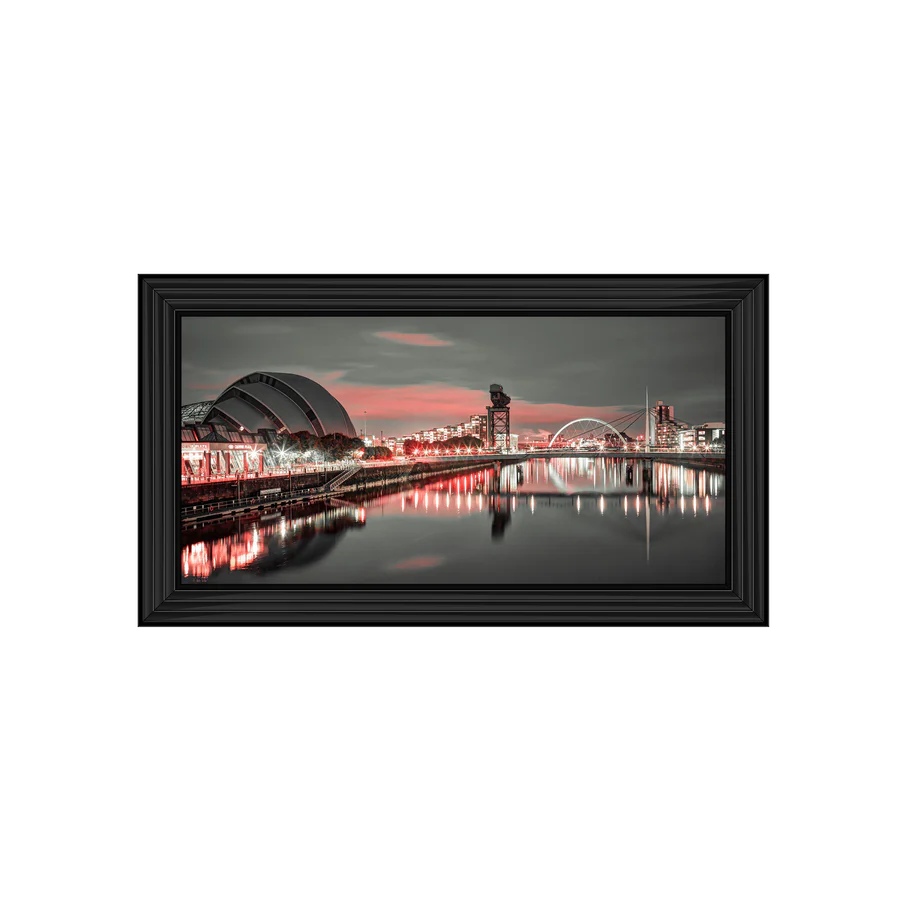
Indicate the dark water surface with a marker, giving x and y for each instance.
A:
(560, 521)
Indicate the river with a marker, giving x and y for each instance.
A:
(570, 520)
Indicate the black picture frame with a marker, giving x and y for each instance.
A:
(164, 299)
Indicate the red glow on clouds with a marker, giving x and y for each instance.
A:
(402, 409)
(419, 562)
(417, 340)
(432, 405)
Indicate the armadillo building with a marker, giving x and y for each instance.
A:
(279, 401)
(241, 428)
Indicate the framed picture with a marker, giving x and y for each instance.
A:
(453, 450)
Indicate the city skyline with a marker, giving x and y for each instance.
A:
(410, 373)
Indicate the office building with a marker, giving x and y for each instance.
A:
(709, 432)
(666, 429)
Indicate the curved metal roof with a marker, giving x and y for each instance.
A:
(195, 412)
(281, 400)
(329, 410)
(273, 404)
(241, 413)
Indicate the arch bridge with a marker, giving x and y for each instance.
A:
(586, 429)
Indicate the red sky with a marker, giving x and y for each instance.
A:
(414, 340)
(442, 404)
(410, 372)
(392, 408)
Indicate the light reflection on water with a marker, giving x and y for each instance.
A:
(566, 520)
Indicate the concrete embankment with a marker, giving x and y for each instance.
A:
(217, 500)
(378, 475)
(248, 489)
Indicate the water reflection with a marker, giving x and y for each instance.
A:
(500, 518)
(448, 513)
(298, 537)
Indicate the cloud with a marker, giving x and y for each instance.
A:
(413, 407)
(563, 367)
(244, 327)
(417, 340)
(403, 408)
(212, 389)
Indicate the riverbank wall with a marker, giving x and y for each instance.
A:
(225, 499)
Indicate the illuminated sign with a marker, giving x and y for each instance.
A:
(242, 446)
(193, 449)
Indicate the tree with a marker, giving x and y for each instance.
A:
(339, 446)
(462, 444)
(308, 445)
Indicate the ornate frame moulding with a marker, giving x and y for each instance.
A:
(158, 295)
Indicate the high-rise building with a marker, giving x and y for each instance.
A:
(666, 427)
(687, 439)
(708, 432)
(477, 427)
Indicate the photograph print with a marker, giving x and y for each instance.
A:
(429, 450)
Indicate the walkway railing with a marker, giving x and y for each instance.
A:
(320, 468)
(335, 483)
(269, 473)
(346, 469)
